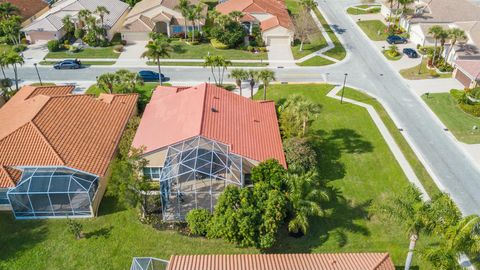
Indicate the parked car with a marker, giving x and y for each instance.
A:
(411, 53)
(68, 64)
(396, 40)
(150, 76)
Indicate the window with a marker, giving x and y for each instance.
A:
(3, 196)
(177, 29)
(152, 172)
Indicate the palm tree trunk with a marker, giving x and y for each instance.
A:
(193, 31)
(434, 53)
(213, 74)
(16, 76)
(251, 91)
(304, 128)
(159, 71)
(301, 46)
(186, 29)
(264, 91)
(411, 248)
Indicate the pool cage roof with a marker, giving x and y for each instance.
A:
(53, 191)
(195, 173)
(148, 263)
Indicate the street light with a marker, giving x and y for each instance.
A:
(343, 88)
(38, 74)
(420, 67)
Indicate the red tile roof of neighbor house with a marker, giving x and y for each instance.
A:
(47, 126)
(276, 8)
(27, 8)
(471, 67)
(326, 261)
(175, 114)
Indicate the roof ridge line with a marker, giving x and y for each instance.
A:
(47, 142)
(203, 108)
(385, 257)
(8, 175)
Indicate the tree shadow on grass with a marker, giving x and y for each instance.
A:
(110, 205)
(102, 232)
(179, 48)
(19, 235)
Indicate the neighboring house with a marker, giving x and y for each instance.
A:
(160, 16)
(56, 150)
(198, 140)
(467, 72)
(49, 26)
(29, 10)
(319, 261)
(272, 16)
(467, 49)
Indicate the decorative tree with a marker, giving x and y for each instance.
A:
(301, 157)
(239, 75)
(266, 76)
(156, 50)
(107, 81)
(303, 27)
(75, 228)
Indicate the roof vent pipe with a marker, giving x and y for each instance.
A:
(214, 110)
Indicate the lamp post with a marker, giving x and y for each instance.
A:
(38, 74)
(343, 88)
(420, 67)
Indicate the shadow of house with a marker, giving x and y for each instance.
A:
(19, 235)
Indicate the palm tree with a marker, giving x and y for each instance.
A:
(222, 64)
(14, 59)
(408, 209)
(183, 6)
(218, 63)
(308, 4)
(3, 62)
(102, 11)
(455, 34)
(303, 109)
(68, 25)
(253, 78)
(266, 76)
(239, 74)
(107, 81)
(435, 32)
(128, 80)
(156, 50)
(305, 195)
(195, 14)
(83, 15)
(236, 15)
(7, 10)
(442, 36)
(210, 61)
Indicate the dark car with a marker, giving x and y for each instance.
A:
(411, 53)
(150, 76)
(68, 64)
(396, 40)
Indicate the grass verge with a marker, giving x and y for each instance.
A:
(338, 52)
(316, 61)
(200, 64)
(422, 73)
(85, 63)
(359, 10)
(99, 52)
(375, 29)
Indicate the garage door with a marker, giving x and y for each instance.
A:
(131, 37)
(278, 40)
(462, 78)
(41, 36)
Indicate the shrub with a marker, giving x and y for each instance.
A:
(66, 42)
(118, 48)
(233, 35)
(270, 172)
(299, 154)
(198, 221)
(53, 45)
(24, 41)
(73, 49)
(263, 49)
(250, 48)
(19, 48)
(79, 33)
(75, 228)
(218, 45)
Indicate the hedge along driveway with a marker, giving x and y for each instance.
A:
(182, 50)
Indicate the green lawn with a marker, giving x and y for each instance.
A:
(317, 42)
(456, 120)
(396, 58)
(200, 64)
(338, 52)
(87, 63)
(355, 159)
(316, 61)
(293, 6)
(425, 73)
(182, 50)
(375, 29)
(360, 10)
(98, 52)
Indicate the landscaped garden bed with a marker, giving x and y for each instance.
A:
(182, 50)
(422, 72)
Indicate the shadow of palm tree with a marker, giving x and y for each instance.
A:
(102, 232)
(110, 205)
(179, 48)
(19, 235)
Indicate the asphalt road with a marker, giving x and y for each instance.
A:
(367, 70)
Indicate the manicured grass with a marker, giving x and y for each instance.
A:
(200, 64)
(338, 52)
(182, 50)
(317, 42)
(87, 63)
(355, 159)
(43, 84)
(407, 151)
(112, 240)
(456, 120)
(360, 10)
(293, 6)
(425, 73)
(316, 61)
(375, 29)
(146, 89)
(396, 58)
(99, 52)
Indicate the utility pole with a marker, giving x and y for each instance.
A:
(343, 88)
(38, 74)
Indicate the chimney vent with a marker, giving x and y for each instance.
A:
(214, 109)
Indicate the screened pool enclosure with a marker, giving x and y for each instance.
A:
(195, 173)
(45, 192)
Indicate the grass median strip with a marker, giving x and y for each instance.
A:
(316, 61)
(338, 52)
(85, 63)
(100, 52)
(200, 64)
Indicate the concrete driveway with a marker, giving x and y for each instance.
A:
(132, 54)
(280, 53)
(35, 52)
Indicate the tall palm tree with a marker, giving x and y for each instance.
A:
(14, 59)
(128, 80)
(68, 24)
(306, 196)
(239, 75)
(435, 32)
(184, 6)
(195, 14)
(236, 15)
(308, 4)
(107, 81)
(83, 15)
(442, 36)
(253, 78)
(156, 50)
(408, 209)
(102, 11)
(210, 61)
(266, 76)
(303, 109)
(222, 65)
(455, 34)
(7, 10)
(3, 62)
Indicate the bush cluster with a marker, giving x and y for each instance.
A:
(53, 45)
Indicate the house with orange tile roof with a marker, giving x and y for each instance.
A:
(198, 140)
(271, 15)
(319, 261)
(56, 150)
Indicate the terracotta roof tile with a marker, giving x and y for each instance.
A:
(176, 114)
(77, 131)
(28, 8)
(326, 261)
